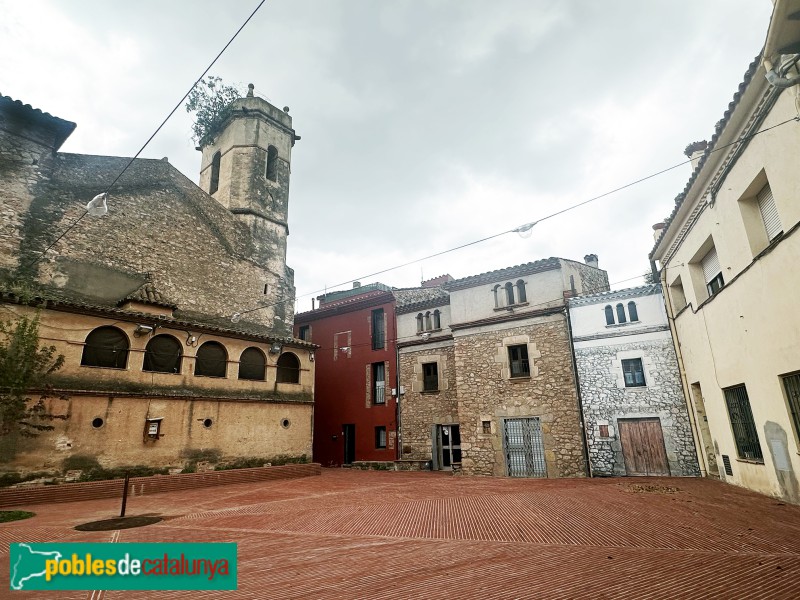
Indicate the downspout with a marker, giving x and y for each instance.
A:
(698, 449)
(585, 444)
(776, 80)
(397, 416)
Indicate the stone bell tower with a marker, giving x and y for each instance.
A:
(246, 168)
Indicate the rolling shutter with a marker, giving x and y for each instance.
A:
(769, 213)
(710, 264)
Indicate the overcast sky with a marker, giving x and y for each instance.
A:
(425, 124)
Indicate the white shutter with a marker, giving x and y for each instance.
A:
(710, 265)
(769, 213)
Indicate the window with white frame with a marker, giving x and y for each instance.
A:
(769, 213)
(712, 272)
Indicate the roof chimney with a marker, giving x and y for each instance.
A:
(695, 152)
(437, 281)
(658, 230)
(591, 260)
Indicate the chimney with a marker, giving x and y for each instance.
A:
(695, 152)
(591, 260)
(658, 230)
(356, 284)
(437, 281)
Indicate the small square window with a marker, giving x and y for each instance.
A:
(487, 426)
(603, 431)
(430, 377)
(518, 361)
(633, 371)
(380, 437)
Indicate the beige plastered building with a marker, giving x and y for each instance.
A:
(728, 257)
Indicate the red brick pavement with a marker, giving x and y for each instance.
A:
(355, 534)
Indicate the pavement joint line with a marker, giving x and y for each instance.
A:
(459, 541)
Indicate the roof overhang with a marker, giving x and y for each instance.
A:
(783, 36)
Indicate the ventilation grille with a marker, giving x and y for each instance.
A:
(726, 461)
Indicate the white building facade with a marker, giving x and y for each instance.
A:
(635, 414)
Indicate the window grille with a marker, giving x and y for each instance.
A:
(742, 423)
(769, 213)
(791, 383)
(379, 383)
(518, 361)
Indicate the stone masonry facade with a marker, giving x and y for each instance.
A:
(486, 393)
(605, 401)
(420, 410)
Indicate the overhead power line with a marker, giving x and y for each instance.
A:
(150, 139)
(527, 226)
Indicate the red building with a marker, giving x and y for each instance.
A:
(355, 410)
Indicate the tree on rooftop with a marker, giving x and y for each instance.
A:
(210, 100)
(24, 366)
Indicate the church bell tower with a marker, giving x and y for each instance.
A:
(246, 168)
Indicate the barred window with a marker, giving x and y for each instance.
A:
(744, 429)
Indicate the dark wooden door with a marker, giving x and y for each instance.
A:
(643, 446)
(349, 432)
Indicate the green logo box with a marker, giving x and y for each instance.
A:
(106, 566)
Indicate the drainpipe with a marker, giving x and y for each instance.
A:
(776, 80)
(397, 416)
(698, 449)
(585, 444)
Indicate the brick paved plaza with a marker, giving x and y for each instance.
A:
(354, 534)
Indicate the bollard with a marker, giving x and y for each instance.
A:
(124, 495)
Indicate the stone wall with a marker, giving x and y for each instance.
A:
(199, 255)
(420, 410)
(605, 401)
(485, 393)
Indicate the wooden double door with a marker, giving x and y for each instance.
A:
(643, 446)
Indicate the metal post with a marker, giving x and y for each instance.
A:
(124, 495)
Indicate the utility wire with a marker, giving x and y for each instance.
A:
(150, 139)
(530, 225)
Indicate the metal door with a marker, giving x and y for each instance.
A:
(349, 434)
(643, 446)
(524, 447)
